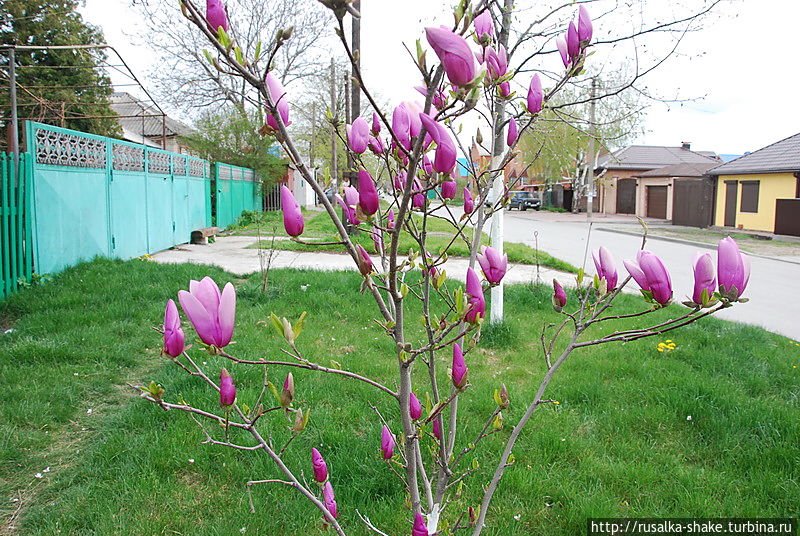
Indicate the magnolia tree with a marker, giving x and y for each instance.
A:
(418, 145)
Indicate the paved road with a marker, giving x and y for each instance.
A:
(774, 288)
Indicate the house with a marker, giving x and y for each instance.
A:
(144, 123)
(620, 189)
(691, 204)
(760, 190)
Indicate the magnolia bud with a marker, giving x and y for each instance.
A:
(287, 394)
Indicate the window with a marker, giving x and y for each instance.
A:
(749, 196)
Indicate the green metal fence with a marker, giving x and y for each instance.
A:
(238, 189)
(96, 196)
(15, 254)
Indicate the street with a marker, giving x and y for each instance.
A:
(773, 290)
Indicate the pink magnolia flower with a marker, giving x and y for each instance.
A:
(504, 89)
(454, 53)
(227, 391)
(349, 211)
(174, 339)
(559, 296)
(449, 189)
(320, 467)
(418, 200)
(437, 428)
(651, 275)
(376, 124)
(329, 499)
(445, 159)
(484, 27)
(292, 215)
(364, 261)
(211, 313)
(376, 145)
(496, 62)
(573, 44)
(401, 126)
(704, 277)
(604, 264)
(216, 16)
(278, 96)
(358, 135)
(377, 240)
(561, 44)
(733, 268)
(475, 297)
(419, 528)
(535, 96)
(469, 203)
(459, 372)
(367, 193)
(390, 219)
(414, 407)
(427, 165)
(493, 264)
(584, 26)
(438, 100)
(513, 132)
(387, 443)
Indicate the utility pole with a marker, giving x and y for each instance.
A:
(14, 141)
(498, 185)
(335, 182)
(591, 157)
(313, 135)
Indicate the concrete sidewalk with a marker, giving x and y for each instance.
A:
(231, 253)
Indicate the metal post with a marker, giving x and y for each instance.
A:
(591, 157)
(335, 182)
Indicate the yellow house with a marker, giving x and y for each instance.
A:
(760, 191)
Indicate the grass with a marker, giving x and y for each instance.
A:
(619, 443)
(440, 233)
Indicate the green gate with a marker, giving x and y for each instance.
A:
(15, 239)
(238, 189)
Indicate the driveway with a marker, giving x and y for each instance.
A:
(773, 290)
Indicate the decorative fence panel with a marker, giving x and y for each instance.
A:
(238, 189)
(15, 254)
(99, 196)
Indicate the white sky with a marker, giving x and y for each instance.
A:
(741, 69)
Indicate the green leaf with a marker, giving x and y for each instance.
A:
(237, 51)
(276, 323)
(497, 399)
(257, 53)
(298, 326)
(274, 391)
(336, 365)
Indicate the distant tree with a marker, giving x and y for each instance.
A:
(187, 80)
(63, 87)
(232, 137)
(560, 143)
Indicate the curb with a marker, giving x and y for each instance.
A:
(693, 243)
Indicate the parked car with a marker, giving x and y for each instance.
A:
(523, 200)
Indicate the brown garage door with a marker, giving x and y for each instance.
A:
(626, 196)
(692, 202)
(657, 202)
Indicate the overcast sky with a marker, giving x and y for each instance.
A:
(740, 71)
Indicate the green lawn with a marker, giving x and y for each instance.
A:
(320, 228)
(619, 443)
